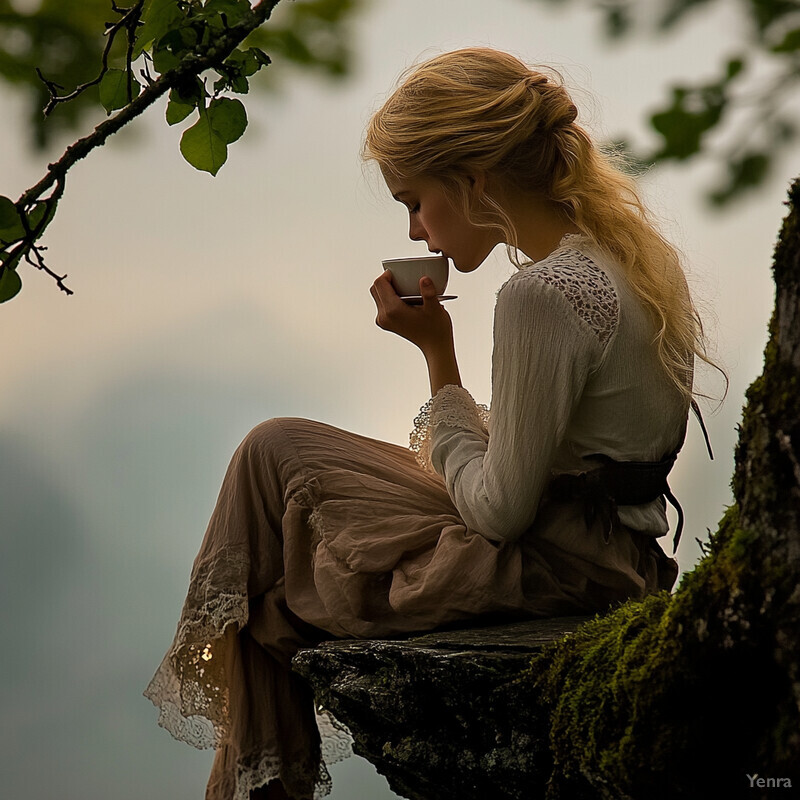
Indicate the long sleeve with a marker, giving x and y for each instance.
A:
(544, 353)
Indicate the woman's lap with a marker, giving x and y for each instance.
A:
(373, 545)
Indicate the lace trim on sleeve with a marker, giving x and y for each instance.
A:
(453, 406)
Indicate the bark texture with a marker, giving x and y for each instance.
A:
(690, 695)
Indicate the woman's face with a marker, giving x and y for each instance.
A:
(434, 220)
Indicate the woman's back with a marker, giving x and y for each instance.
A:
(629, 409)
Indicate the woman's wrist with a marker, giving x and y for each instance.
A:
(442, 368)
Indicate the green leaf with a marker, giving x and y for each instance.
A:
(164, 60)
(693, 113)
(11, 228)
(240, 85)
(159, 16)
(205, 144)
(247, 62)
(238, 67)
(744, 173)
(618, 20)
(228, 118)
(8, 213)
(263, 59)
(188, 90)
(203, 147)
(37, 216)
(295, 48)
(233, 83)
(790, 43)
(10, 284)
(170, 48)
(177, 110)
(234, 10)
(9, 235)
(735, 66)
(114, 89)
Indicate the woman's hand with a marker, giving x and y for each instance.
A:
(428, 326)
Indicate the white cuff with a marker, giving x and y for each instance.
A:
(452, 406)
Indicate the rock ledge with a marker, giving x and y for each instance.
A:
(436, 712)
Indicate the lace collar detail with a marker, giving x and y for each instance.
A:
(572, 239)
(583, 283)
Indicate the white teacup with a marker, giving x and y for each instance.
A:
(406, 273)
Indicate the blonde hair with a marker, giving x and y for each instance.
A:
(482, 110)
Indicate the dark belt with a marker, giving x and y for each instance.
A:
(617, 483)
(622, 483)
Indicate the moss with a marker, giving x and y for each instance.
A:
(643, 698)
(773, 403)
(588, 681)
(786, 252)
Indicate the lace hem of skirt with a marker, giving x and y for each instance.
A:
(336, 746)
(452, 406)
(201, 732)
(337, 741)
(189, 687)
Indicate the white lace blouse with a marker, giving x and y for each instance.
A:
(573, 373)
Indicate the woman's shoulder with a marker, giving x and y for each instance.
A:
(574, 279)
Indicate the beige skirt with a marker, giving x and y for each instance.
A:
(320, 533)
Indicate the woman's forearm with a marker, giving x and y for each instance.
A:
(442, 367)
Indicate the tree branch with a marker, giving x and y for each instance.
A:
(191, 65)
(129, 22)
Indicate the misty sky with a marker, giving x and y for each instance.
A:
(205, 305)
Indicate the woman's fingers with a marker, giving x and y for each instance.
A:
(393, 316)
(383, 286)
(422, 325)
(427, 290)
(386, 300)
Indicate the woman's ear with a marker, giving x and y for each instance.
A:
(477, 181)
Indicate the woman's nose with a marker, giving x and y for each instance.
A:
(416, 232)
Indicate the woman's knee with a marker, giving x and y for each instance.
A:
(265, 437)
(268, 458)
(279, 437)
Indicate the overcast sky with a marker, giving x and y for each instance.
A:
(205, 305)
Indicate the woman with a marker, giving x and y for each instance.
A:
(320, 533)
